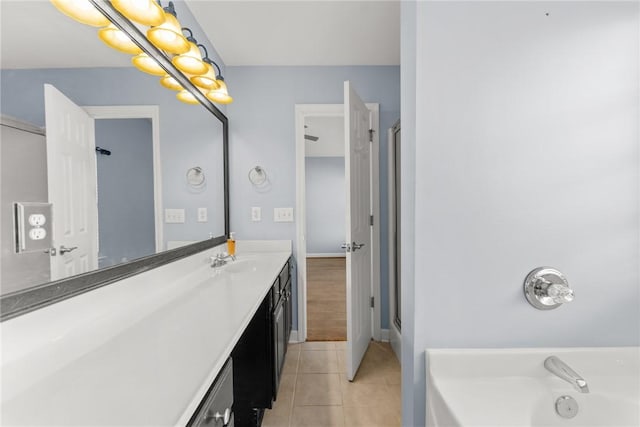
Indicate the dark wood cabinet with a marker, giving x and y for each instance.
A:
(258, 357)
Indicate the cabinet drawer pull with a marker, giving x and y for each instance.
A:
(226, 417)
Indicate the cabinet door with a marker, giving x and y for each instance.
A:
(279, 344)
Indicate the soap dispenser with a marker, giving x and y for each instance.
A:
(231, 244)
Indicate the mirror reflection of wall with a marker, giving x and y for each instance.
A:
(71, 58)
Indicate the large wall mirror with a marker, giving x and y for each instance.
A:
(159, 174)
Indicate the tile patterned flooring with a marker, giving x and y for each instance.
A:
(314, 390)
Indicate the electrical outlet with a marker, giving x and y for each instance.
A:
(37, 220)
(37, 233)
(174, 216)
(283, 215)
(256, 214)
(202, 214)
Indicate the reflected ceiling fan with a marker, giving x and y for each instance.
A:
(310, 137)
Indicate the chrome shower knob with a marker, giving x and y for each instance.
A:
(546, 288)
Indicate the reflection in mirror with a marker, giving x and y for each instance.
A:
(131, 197)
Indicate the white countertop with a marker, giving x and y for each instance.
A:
(142, 351)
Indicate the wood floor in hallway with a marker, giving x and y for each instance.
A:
(326, 299)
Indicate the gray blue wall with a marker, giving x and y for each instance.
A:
(326, 200)
(263, 133)
(526, 155)
(125, 190)
(189, 135)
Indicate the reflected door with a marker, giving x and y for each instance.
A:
(358, 210)
(71, 164)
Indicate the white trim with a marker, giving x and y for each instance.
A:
(332, 110)
(375, 211)
(384, 335)
(327, 255)
(137, 112)
(293, 338)
(395, 337)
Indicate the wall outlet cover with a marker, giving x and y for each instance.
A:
(202, 214)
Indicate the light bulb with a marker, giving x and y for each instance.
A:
(147, 64)
(220, 95)
(82, 11)
(187, 97)
(168, 36)
(118, 40)
(170, 83)
(207, 80)
(190, 62)
(145, 12)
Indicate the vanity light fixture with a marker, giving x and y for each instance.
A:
(190, 62)
(145, 12)
(147, 64)
(113, 37)
(82, 11)
(168, 35)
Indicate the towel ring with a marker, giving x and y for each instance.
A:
(257, 176)
(195, 177)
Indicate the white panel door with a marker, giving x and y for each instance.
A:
(72, 182)
(358, 207)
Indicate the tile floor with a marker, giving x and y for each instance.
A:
(314, 390)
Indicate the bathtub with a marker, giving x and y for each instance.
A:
(511, 387)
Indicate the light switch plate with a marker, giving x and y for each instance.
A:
(174, 216)
(202, 214)
(283, 215)
(256, 214)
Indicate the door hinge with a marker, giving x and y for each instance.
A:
(370, 219)
(371, 131)
(373, 302)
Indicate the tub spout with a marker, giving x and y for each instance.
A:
(560, 369)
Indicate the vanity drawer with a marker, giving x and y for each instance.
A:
(217, 409)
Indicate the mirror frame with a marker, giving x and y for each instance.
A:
(21, 302)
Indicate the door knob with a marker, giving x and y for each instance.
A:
(64, 250)
(355, 246)
(346, 246)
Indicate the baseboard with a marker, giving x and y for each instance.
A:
(384, 335)
(294, 336)
(327, 255)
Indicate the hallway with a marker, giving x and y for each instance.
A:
(326, 299)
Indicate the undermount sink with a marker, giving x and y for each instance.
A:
(242, 265)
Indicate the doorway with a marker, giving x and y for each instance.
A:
(146, 117)
(303, 113)
(325, 228)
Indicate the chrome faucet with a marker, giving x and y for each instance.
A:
(221, 259)
(560, 369)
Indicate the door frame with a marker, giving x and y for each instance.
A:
(151, 112)
(303, 111)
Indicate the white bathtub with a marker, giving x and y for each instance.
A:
(511, 387)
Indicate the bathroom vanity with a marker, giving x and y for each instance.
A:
(158, 348)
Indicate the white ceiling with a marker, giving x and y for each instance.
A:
(34, 34)
(303, 32)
